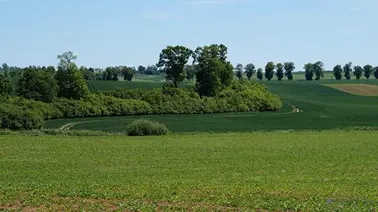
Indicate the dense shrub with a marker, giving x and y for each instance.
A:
(16, 118)
(240, 96)
(143, 127)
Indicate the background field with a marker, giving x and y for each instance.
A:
(286, 171)
(323, 108)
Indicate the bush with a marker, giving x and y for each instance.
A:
(16, 118)
(146, 127)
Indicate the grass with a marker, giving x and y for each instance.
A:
(272, 171)
(323, 108)
(357, 89)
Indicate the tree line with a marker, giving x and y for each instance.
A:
(42, 93)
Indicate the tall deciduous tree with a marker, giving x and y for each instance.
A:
(319, 70)
(358, 70)
(71, 83)
(280, 71)
(289, 68)
(214, 72)
(368, 70)
(250, 70)
(348, 69)
(338, 72)
(174, 59)
(269, 70)
(239, 71)
(260, 74)
(37, 84)
(309, 71)
(5, 86)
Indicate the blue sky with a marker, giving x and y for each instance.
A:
(125, 32)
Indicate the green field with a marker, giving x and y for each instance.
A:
(323, 108)
(273, 171)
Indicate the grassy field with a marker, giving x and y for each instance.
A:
(272, 171)
(323, 108)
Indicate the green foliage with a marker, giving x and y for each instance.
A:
(101, 105)
(16, 118)
(71, 83)
(67, 60)
(173, 59)
(128, 73)
(190, 71)
(289, 68)
(5, 86)
(141, 69)
(37, 84)
(309, 71)
(368, 70)
(338, 72)
(348, 70)
(214, 71)
(238, 97)
(250, 70)
(143, 127)
(376, 72)
(260, 74)
(318, 70)
(269, 70)
(358, 70)
(239, 71)
(111, 73)
(280, 71)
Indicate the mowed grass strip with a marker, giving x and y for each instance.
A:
(272, 171)
(356, 89)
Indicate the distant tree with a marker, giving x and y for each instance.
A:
(376, 72)
(128, 73)
(338, 72)
(250, 70)
(368, 70)
(5, 69)
(190, 71)
(5, 86)
(280, 71)
(260, 74)
(111, 73)
(174, 59)
(214, 72)
(88, 75)
(151, 70)
(348, 70)
(309, 71)
(319, 70)
(358, 70)
(66, 60)
(239, 71)
(289, 68)
(70, 80)
(141, 69)
(269, 70)
(37, 84)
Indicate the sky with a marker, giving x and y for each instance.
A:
(129, 32)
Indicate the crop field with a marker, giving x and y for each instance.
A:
(321, 107)
(333, 170)
(359, 89)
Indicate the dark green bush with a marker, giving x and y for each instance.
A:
(143, 127)
(16, 118)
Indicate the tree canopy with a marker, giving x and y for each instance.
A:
(289, 68)
(239, 71)
(280, 71)
(214, 72)
(338, 72)
(250, 70)
(269, 70)
(174, 59)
